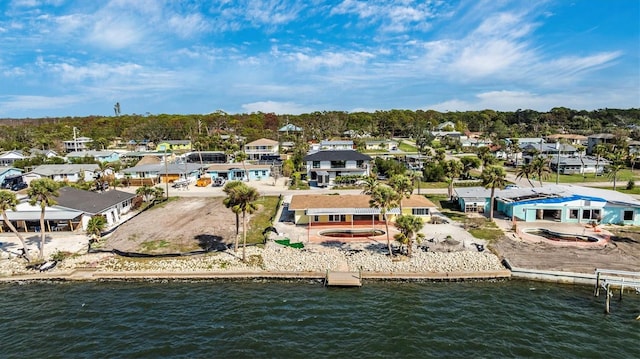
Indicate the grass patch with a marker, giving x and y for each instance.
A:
(483, 228)
(151, 246)
(405, 147)
(262, 219)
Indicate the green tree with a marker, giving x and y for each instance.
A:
(385, 198)
(525, 170)
(370, 184)
(409, 227)
(616, 165)
(231, 202)
(540, 166)
(43, 191)
(95, 226)
(147, 193)
(245, 199)
(452, 169)
(469, 163)
(9, 201)
(493, 177)
(403, 186)
(599, 150)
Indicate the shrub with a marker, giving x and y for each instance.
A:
(631, 184)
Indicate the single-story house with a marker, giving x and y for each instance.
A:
(174, 145)
(386, 145)
(45, 153)
(576, 165)
(9, 172)
(64, 172)
(160, 172)
(100, 156)
(113, 205)
(236, 171)
(560, 203)
(9, 157)
(324, 166)
(314, 209)
(207, 157)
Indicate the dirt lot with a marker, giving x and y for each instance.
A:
(622, 253)
(181, 225)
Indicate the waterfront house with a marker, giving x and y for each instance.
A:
(346, 210)
(558, 203)
(113, 206)
(324, 166)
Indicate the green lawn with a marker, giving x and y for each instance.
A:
(262, 219)
(405, 147)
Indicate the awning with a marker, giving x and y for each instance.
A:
(358, 211)
(48, 215)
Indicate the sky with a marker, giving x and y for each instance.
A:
(79, 58)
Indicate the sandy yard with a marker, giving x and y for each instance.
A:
(621, 253)
(181, 225)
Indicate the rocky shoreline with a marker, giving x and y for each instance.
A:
(277, 258)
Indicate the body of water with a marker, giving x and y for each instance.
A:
(303, 319)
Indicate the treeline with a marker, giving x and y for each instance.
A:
(207, 131)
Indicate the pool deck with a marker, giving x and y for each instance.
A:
(577, 229)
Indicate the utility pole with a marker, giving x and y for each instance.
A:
(166, 171)
(75, 140)
(558, 162)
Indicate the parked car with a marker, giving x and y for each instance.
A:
(14, 183)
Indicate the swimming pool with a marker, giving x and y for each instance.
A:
(351, 233)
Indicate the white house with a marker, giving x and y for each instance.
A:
(324, 166)
(255, 150)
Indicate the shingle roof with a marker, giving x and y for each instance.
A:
(90, 202)
(51, 170)
(353, 202)
(337, 155)
(262, 142)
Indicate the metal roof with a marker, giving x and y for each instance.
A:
(364, 211)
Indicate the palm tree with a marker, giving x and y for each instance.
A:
(403, 186)
(617, 165)
(370, 184)
(515, 150)
(452, 169)
(9, 201)
(599, 150)
(245, 197)
(525, 170)
(230, 202)
(241, 156)
(409, 227)
(540, 166)
(43, 191)
(95, 226)
(385, 198)
(493, 177)
(147, 193)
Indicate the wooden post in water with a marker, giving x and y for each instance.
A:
(607, 300)
(621, 289)
(596, 291)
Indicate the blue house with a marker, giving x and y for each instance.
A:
(559, 203)
(236, 171)
(8, 172)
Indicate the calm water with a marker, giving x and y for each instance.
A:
(218, 319)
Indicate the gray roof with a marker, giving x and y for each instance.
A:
(91, 202)
(52, 170)
(337, 155)
(91, 153)
(365, 211)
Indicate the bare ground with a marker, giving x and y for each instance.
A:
(622, 253)
(181, 225)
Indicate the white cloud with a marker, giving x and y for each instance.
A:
(188, 25)
(18, 103)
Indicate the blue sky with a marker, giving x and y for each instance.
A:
(78, 58)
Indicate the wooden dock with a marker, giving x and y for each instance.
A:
(343, 279)
(616, 278)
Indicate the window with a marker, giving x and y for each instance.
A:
(573, 213)
(628, 215)
(337, 218)
(338, 164)
(420, 211)
(316, 218)
(359, 163)
(316, 164)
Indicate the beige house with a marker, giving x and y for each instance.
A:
(263, 147)
(342, 210)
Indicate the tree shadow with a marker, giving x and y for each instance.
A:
(210, 242)
(624, 239)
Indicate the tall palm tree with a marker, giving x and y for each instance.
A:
(245, 197)
(493, 177)
(43, 191)
(617, 165)
(409, 227)
(230, 202)
(452, 169)
(540, 166)
(9, 201)
(385, 198)
(599, 150)
(370, 184)
(525, 170)
(403, 186)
